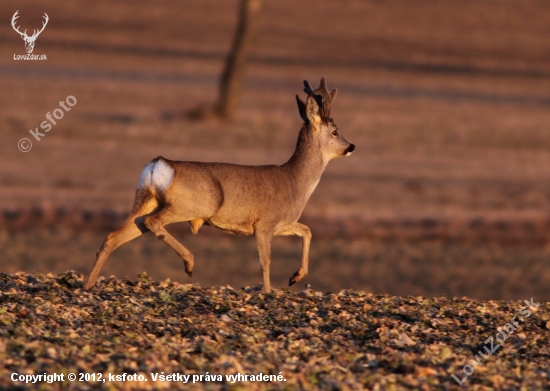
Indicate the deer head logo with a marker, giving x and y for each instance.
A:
(29, 41)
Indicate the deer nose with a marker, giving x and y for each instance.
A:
(350, 149)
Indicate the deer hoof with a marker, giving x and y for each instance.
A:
(190, 274)
(295, 278)
(88, 284)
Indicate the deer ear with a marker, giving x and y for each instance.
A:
(313, 112)
(307, 88)
(333, 93)
(301, 108)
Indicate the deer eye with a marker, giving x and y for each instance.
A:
(335, 132)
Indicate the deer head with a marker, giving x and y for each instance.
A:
(29, 41)
(315, 112)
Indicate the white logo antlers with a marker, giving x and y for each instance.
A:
(29, 41)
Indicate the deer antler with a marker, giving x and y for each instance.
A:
(24, 34)
(308, 90)
(321, 94)
(36, 34)
(15, 16)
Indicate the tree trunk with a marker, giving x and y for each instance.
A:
(233, 75)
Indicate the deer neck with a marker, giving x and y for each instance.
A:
(307, 164)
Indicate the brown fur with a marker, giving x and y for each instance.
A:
(248, 200)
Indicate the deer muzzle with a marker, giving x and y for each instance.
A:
(349, 150)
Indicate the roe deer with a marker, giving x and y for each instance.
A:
(249, 200)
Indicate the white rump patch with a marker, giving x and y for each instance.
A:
(157, 174)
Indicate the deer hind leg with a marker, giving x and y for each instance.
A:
(304, 232)
(132, 228)
(156, 222)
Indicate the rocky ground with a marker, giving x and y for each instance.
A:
(313, 340)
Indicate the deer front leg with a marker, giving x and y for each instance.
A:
(264, 250)
(304, 232)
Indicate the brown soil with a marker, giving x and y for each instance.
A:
(345, 341)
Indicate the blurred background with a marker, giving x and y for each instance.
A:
(448, 104)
